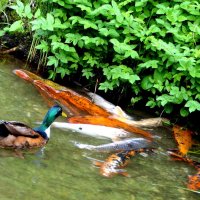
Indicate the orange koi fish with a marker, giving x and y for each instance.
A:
(179, 157)
(108, 121)
(30, 77)
(76, 104)
(70, 96)
(194, 180)
(26, 75)
(52, 92)
(183, 138)
(113, 164)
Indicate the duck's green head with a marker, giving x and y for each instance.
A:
(49, 118)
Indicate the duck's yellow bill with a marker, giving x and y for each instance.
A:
(64, 114)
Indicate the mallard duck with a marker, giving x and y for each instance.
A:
(17, 135)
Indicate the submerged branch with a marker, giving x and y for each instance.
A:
(9, 50)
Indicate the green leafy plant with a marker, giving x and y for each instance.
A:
(151, 46)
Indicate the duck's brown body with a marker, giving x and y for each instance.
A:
(18, 135)
(21, 142)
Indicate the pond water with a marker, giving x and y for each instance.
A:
(61, 171)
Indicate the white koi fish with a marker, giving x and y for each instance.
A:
(123, 145)
(119, 114)
(115, 110)
(98, 131)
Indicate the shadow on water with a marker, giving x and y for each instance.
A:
(61, 171)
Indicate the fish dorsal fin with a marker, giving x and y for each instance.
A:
(119, 112)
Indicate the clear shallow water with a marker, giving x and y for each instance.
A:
(61, 171)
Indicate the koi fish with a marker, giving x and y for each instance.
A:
(176, 156)
(123, 145)
(194, 180)
(113, 164)
(26, 75)
(98, 131)
(119, 114)
(78, 104)
(110, 122)
(111, 108)
(72, 97)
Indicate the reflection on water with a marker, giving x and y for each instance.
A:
(61, 171)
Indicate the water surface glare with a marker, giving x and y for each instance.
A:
(61, 171)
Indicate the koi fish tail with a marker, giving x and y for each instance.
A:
(83, 146)
(123, 172)
(150, 122)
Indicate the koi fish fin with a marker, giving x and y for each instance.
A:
(116, 139)
(123, 172)
(153, 122)
(83, 146)
(97, 163)
(175, 156)
(126, 174)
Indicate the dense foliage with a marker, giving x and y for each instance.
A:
(3, 4)
(149, 46)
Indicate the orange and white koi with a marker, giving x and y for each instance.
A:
(113, 164)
